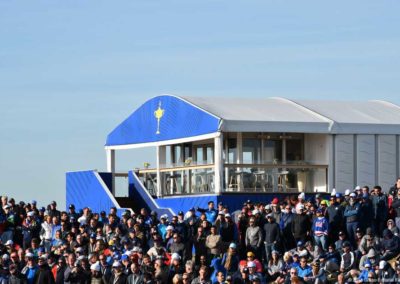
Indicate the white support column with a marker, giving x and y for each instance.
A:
(218, 163)
(239, 160)
(158, 171)
(111, 167)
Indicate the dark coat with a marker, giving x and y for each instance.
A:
(301, 224)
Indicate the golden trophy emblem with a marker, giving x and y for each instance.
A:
(159, 113)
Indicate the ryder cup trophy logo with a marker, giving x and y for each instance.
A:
(159, 113)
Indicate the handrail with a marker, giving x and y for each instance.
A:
(182, 168)
(288, 166)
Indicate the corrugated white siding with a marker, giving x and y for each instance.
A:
(344, 157)
(365, 160)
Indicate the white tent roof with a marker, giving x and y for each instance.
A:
(307, 116)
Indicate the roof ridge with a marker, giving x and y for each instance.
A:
(315, 113)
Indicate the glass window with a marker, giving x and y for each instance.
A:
(199, 154)
(210, 154)
(272, 151)
(251, 151)
(294, 150)
(232, 152)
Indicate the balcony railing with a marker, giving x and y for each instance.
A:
(256, 178)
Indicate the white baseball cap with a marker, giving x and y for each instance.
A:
(95, 266)
(175, 256)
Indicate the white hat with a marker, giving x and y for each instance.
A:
(347, 192)
(5, 256)
(9, 243)
(95, 266)
(300, 207)
(255, 211)
(6, 206)
(301, 195)
(116, 264)
(357, 187)
(251, 264)
(175, 256)
(170, 228)
(135, 249)
(29, 254)
(30, 213)
(221, 213)
(352, 194)
(333, 193)
(382, 264)
(233, 245)
(268, 207)
(164, 216)
(227, 215)
(128, 253)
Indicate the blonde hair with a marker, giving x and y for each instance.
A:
(287, 256)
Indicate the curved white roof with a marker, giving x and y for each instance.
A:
(308, 116)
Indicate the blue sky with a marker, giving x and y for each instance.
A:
(70, 71)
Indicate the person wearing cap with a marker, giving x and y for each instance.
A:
(118, 277)
(44, 275)
(390, 245)
(230, 259)
(251, 257)
(228, 231)
(301, 224)
(53, 212)
(380, 210)
(272, 236)
(253, 273)
(31, 269)
(386, 273)
(366, 211)
(352, 216)
(348, 260)
(211, 212)
(9, 224)
(320, 229)
(334, 213)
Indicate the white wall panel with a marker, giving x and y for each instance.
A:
(365, 160)
(316, 148)
(344, 160)
(387, 161)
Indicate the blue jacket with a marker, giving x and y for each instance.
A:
(320, 226)
(304, 272)
(216, 264)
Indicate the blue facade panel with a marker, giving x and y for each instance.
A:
(84, 189)
(163, 118)
(184, 203)
(143, 199)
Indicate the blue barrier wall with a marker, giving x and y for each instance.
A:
(87, 189)
(184, 203)
(143, 199)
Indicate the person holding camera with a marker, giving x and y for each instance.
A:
(73, 273)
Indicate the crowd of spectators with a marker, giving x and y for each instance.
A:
(336, 238)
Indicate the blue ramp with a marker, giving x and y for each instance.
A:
(91, 189)
(143, 199)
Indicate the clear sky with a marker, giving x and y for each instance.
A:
(70, 71)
